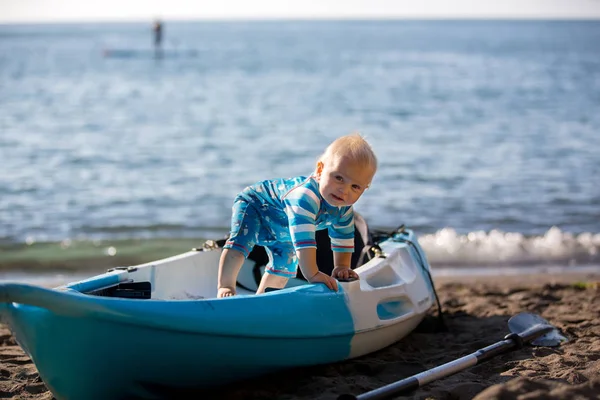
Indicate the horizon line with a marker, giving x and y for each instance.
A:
(109, 20)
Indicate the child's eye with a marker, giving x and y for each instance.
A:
(355, 187)
(339, 178)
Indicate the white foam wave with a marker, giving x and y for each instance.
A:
(446, 247)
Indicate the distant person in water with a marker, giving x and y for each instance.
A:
(157, 29)
(283, 215)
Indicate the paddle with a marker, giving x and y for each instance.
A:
(524, 327)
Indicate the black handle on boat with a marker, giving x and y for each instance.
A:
(512, 341)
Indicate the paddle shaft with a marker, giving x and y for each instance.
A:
(510, 342)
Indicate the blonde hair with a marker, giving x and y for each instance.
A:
(353, 146)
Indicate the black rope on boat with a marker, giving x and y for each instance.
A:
(365, 253)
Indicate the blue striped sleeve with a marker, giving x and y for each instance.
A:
(341, 232)
(301, 207)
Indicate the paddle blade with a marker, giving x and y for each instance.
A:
(524, 321)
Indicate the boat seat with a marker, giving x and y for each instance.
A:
(128, 290)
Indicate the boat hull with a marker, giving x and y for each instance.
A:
(95, 347)
(94, 359)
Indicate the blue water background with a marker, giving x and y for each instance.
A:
(479, 126)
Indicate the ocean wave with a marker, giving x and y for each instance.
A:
(448, 248)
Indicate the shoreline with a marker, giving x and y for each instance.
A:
(446, 249)
(91, 255)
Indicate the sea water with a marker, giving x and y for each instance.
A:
(487, 132)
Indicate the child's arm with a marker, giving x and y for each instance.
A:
(341, 266)
(307, 260)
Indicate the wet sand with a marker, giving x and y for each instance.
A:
(476, 313)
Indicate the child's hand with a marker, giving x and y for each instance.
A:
(327, 280)
(225, 292)
(344, 273)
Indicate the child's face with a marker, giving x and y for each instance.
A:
(342, 181)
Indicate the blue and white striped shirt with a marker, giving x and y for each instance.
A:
(298, 201)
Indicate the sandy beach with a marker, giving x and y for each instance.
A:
(476, 313)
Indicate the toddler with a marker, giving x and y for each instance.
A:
(283, 215)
